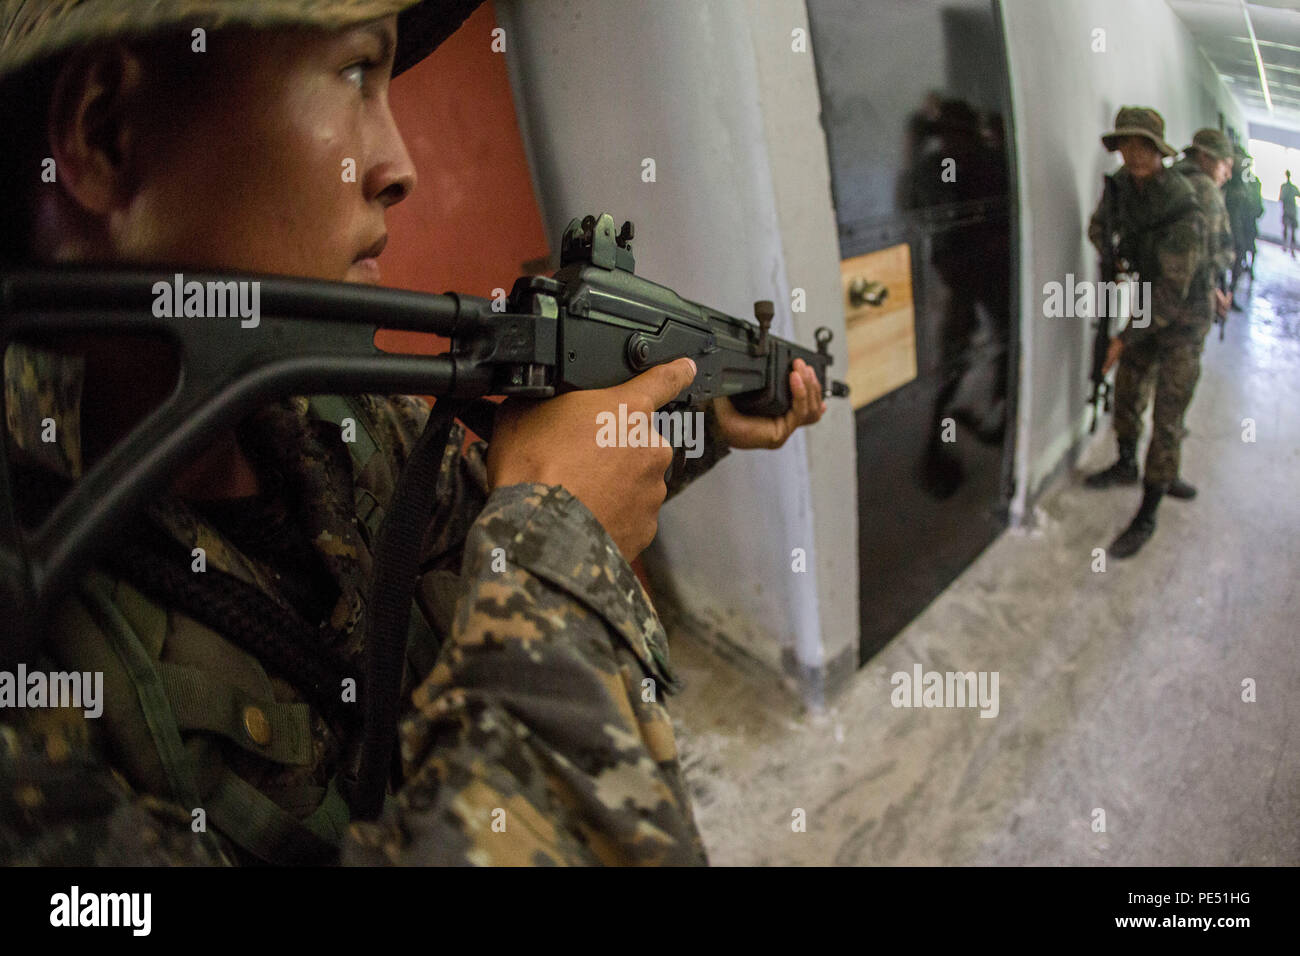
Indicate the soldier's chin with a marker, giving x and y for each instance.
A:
(364, 271)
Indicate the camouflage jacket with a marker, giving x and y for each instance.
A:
(1162, 234)
(1219, 250)
(538, 734)
(1242, 200)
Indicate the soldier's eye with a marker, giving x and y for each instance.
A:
(355, 73)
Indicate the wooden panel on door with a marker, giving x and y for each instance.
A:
(880, 321)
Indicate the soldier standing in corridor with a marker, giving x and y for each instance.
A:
(1242, 197)
(1164, 218)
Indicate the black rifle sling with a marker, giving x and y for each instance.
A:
(396, 566)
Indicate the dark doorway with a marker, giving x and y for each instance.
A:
(915, 107)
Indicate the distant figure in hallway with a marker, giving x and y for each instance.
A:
(1173, 232)
(1288, 197)
(1245, 205)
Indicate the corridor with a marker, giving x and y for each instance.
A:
(1120, 691)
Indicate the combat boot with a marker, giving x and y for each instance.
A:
(1123, 472)
(1181, 489)
(1142, 526)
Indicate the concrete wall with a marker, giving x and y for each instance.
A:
(1064, 96)
(740, 210)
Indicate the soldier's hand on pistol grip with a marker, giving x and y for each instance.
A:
(553, 442)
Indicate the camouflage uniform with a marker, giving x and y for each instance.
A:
(546, 700)
(1219, 244)
(1242, 200)
(1165, 223)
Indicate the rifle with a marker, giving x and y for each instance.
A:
(594, 324)
(1108, 267)
(1221, 321)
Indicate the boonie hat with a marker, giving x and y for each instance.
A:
(1212, 143)
(1138, 121)
(32, 30)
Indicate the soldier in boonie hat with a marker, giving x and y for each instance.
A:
(1138, 121)
(273, 149)
(163, 150)
(1211, 152)
(1212, 143)
(1156, 214)
(39, 37)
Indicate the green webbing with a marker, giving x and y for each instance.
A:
(176, 762)
(201, 702)
(257, 824)
(95, 592)
(238, 810)
(335, 408)
(370, 513)
(423, 642)
(332, 817)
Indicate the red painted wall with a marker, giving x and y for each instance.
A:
(472, 221)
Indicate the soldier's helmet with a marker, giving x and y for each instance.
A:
(1138, 121)
(33, 30)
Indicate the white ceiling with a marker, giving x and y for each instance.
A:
(1220, 28)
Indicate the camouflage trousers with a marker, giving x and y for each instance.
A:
(1170, 362)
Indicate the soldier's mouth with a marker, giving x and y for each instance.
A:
(364, 270)
(365, 267)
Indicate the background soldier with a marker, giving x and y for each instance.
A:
(1162, 235)
(1287, 197)
(1245, 205)
(534, 700)
(1207, 165)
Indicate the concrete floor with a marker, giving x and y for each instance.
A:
(1120, 691)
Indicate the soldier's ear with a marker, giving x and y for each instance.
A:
(92, 126)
